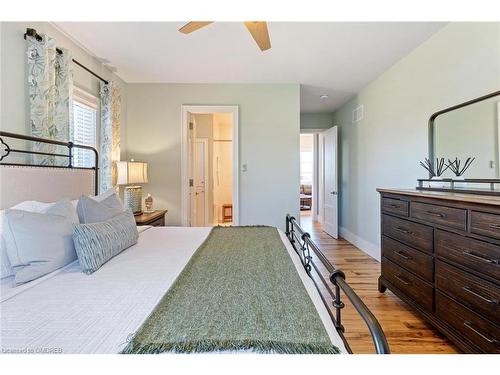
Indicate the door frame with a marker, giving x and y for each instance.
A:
(205, 171)
(203, 109)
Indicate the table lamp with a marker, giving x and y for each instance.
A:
(131, 173)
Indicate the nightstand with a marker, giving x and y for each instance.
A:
(155, 218)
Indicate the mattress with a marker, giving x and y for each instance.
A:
(70, 312)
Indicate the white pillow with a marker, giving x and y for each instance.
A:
(39, 243)
(5, 267)
(39, 207)
(33, 206)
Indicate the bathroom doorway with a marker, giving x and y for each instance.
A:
(210, 147)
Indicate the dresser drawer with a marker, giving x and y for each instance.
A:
(448, 216)
(476, 255)
(485, 224)
(414, 287)
(479, 295)
(395, 206)
(412, 260)
(478, 330)
(414, 234)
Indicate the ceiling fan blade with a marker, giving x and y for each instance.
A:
(193, 26)
(260, 34)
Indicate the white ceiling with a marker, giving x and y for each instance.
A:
(333, 58)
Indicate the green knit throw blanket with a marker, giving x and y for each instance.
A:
(240, 290)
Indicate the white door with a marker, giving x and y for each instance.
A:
(330, 192)
(200, 182)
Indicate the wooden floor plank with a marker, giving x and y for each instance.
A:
(406, 332)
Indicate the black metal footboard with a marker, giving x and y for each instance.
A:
(302, 243)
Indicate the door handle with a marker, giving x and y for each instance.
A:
(333, 193)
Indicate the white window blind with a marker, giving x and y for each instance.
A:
(84, 128)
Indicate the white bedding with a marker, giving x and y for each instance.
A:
(70, 312)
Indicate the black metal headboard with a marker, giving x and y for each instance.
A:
(6, 150)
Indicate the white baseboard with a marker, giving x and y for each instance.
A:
(369, 248)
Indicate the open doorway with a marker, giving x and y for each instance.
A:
(318, 180)
(306, 173)
(209, 166)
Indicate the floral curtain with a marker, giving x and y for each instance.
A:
(110, 134)
(50, 81)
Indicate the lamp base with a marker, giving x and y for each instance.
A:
(133, 199)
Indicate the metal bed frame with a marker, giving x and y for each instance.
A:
(300, 240)
(6, 150)
(302, 243)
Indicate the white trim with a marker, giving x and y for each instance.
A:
(367, 247)
(185, 110)
(312, 131)
(85, 97)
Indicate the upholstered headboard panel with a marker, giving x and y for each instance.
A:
(44, 184)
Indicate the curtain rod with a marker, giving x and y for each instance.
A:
(34, 34)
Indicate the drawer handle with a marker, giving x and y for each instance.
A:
(394, 205)
(403, 230)
(485, 299)
(436, 214)
(495, 226)
(478, 257)
(479, 333)
(403, 255)
(402, 279)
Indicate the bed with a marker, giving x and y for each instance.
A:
(67, 311)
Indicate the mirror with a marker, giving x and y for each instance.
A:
(469, 129)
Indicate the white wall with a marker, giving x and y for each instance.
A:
(460, 62)
(14, 115)
(268, 143)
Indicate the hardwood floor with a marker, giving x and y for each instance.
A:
(406, 332)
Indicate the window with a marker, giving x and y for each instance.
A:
(84, 127)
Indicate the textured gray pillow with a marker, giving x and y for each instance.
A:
(91, 211)
(39, 243)
(109, 198)
(96, 243)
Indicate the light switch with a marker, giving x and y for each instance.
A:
(243, 167)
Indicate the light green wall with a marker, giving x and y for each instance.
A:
(314, 121)
(14, 115)
(269, 127)
(460, 62)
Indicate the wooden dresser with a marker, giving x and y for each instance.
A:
(441, 255)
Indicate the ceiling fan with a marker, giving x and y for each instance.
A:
(257, 29)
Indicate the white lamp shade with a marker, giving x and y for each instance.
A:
(131, 172)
